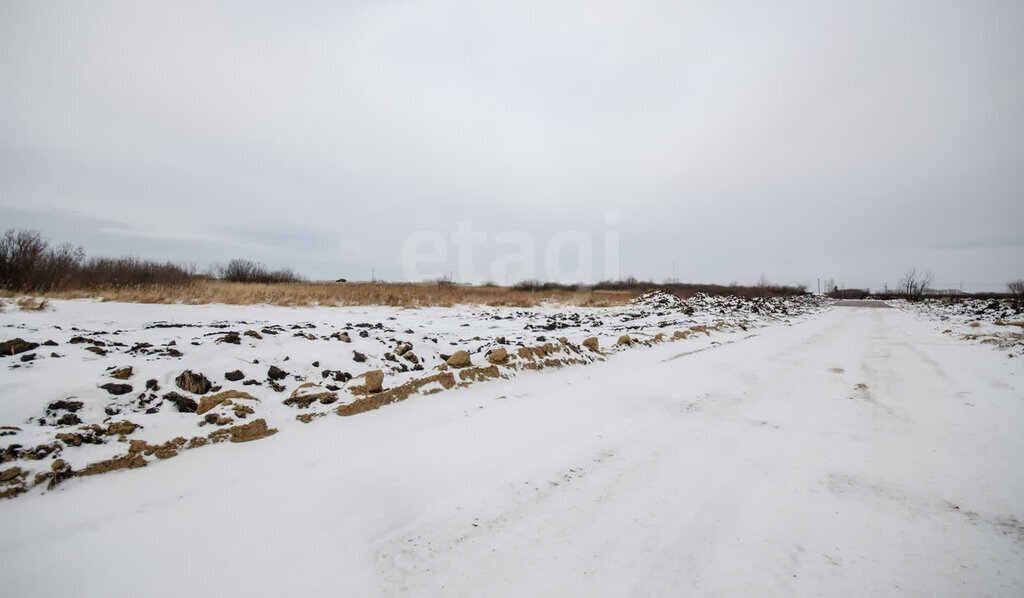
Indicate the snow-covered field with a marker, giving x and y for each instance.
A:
(850, 451)
(114, 385)
(995, 322)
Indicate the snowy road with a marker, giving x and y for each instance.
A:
(861, 453)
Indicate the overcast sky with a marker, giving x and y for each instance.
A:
(717, 140)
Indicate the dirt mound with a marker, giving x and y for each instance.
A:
(659, 300)
(117, 389)
(122, 428)
(308, 393)
(207, 403)
(479, 374)
(122, 373)
(253, 430)
(374, 381)
(129, 461)
(592, 343)
(459, 360)
(183, 403)
(392, 395)
(499, 355)
(190, 381)
(16, 345)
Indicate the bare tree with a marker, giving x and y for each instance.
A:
(914, 283)
(1016, 288)
(29, 263)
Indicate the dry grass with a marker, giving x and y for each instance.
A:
(352, 293)
(32, 304)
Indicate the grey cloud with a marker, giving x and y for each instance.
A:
(798, 139)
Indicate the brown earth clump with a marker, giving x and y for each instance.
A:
(193, 382)
(393, 395)
(499, 355)
(162, 451)
(129, 461)
(59, 471)
(121, 428)
(207, 403)
(479, 374)
(242, 411)
(459, 359)
(624, 340)
(9, 474)
(374, 382)
(253, 430)
(70, 439)
(308, 393)
(122, 373)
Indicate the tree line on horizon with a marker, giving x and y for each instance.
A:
(29, 263)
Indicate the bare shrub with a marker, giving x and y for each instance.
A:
(1016, 289)
(243, 270)
(129, 271)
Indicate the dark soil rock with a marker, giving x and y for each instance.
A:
(97, 350)
(231, 338)
(77, 340)
(336, 375)
(276, 373)
(358, 357)
(183, 403)
(234, 376)
(28, 357)
(69, 419)
(117, 389)
(152, 384)
(15, 346)
(192, 382)
(50, 343)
